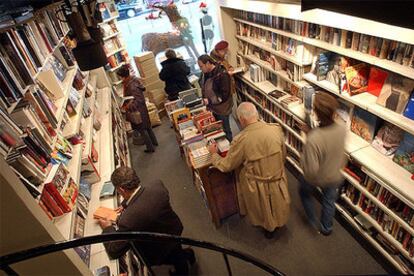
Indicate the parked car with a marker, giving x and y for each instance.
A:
(158, 2)
(128, 9)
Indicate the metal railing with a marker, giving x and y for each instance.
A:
(10, 259)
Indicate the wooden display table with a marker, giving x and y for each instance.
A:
(219, 192)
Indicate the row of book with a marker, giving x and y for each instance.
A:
(297, 49)
(387, 223)
(399, 52)
(392, 91)
(119, 135)
(392, 202)
(24, 51)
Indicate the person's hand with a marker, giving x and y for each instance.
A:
(119, 209)
(212, 148)
(205, 101)
(104, 223)
(231, 71)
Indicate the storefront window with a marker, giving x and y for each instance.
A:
(188, 26)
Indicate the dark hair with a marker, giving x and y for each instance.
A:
(206, 59)
(126, 178)
(123, 71)
(325, 106)
(170, 53)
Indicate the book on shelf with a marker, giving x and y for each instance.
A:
(108, 190)
(364, 124)
(357, 78)
(105, 213)
(395, 93)
(376, 80)
(388, 138)
(409, 109)
(322, 65)
(404, 156)
(344, 111)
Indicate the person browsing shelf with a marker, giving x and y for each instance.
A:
(215, 83)
(146, 208)
(174, 73)
(257, 154)
(322, 160)
(134, 87)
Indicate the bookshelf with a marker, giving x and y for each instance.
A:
(50, 111)
(375, 167)
(112, 36)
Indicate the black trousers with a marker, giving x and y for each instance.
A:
(148, 135)
(179, 259)
(149, 138)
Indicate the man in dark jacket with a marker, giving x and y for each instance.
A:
(147, 209)
(134, 87)
(216, 88)
(174, 73)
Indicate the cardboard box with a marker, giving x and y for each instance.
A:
(150, 79)
(144, 56)
(155, 85)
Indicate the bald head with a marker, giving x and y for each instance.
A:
(247, 114)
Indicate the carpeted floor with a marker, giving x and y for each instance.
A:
(296, 250)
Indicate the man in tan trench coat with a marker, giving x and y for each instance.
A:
(258, 154)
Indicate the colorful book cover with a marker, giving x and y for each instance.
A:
(364, 124)
(395, 93)
(388, 139)
(409, 110)
(376, 80)
(322, 66)
(357, 78)
(405, 153)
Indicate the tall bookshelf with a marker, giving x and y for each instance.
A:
(54, 116)
(377, 190)
(113, 43)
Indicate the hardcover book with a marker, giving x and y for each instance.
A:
(364, 124)
(357, 78)
(409, 110)
(395, 93)
(388, 139)
(376, 80)
(404, 155)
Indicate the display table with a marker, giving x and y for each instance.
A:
(218, 191)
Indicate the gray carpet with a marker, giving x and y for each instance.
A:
(296, 249)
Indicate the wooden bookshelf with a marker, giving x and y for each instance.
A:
(383, 63)
(367, 102)
(268, 47)
(111, 36)
(374, 164)
(73, 126)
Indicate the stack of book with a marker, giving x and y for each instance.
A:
(199, 154)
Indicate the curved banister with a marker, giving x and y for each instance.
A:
(7, 260)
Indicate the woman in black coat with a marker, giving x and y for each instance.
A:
(134, 87)
(174, 73)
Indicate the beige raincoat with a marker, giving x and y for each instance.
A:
(258, 154)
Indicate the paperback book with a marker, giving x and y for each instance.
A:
(404, 155)
(388, 138)
(357, 78)
(364, 124)
(395, 93)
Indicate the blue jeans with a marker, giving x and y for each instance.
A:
(226, 125)
(329, 196)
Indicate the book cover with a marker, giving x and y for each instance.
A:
(376, 80)
(409, 110)
(357, 78)
(395, 93)
(105, 213)
(387, 139)
(364, 124)
(404, 156)
(322, 66)
(344, 111)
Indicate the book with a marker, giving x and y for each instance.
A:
(322, 66)
(395, 93)
(404, 156)
(376, 80)
(357, 78)
(364, 124)
(344, 111)
(105, 213)
(409, 110)
(387, 139)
